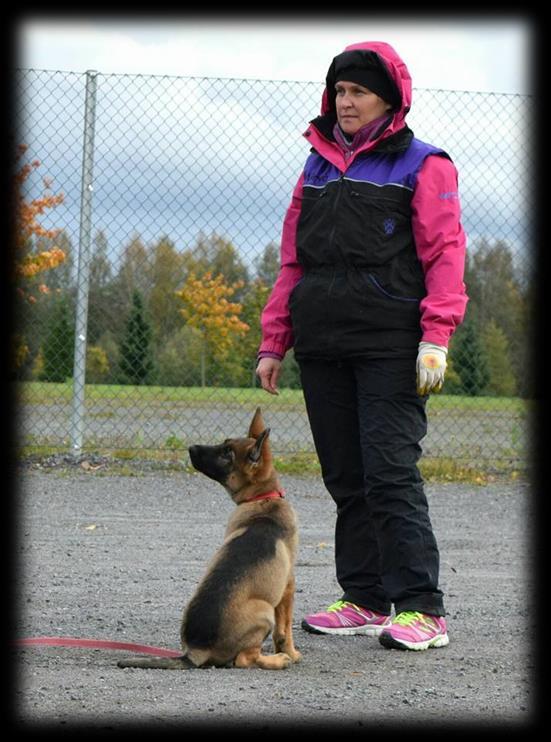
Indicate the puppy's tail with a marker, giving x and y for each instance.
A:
(158, 663)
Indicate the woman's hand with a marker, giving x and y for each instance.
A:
(268, 371)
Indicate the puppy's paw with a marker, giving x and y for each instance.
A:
(284, 660)
(295, 655)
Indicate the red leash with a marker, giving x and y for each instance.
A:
(67, 641)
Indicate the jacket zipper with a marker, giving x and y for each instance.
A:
(334, 227)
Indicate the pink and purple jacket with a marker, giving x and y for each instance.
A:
(433, 214)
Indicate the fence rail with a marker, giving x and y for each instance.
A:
(173, 195)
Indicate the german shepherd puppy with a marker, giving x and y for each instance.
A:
(248, 589)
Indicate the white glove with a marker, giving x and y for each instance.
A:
(431, 367)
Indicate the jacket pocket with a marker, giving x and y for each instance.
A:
(388, 307)
(389, 294)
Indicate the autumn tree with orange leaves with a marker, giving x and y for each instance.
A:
(208, 310)
(30, 262)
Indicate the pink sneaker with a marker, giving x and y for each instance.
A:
(344, 617)
(415, 630)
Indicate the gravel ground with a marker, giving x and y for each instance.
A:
(105, 556)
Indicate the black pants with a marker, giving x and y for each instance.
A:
(367, 420)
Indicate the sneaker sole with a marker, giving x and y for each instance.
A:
(388, 641)
(354, 631)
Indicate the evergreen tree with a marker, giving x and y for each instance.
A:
(501, 377)
(59, 345)
(136, 359)
(111, 292)
(470, 360)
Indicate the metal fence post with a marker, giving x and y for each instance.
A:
(83, 272)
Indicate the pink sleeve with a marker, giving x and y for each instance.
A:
(277, 332)
(440, 242)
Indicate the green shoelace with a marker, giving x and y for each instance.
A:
(405, 618)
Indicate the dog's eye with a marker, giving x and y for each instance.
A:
(227, 454)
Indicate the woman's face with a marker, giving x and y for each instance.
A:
(357, 106)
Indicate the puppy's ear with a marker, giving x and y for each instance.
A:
(257, 425)
(261, 442)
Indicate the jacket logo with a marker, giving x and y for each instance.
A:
(389, 225)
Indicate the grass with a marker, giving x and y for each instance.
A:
(35, 392)
(433, 470)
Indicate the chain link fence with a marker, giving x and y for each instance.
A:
(166, 196)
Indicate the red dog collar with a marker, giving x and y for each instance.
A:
(267, 496)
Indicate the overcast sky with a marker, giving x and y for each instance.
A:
(490, 53)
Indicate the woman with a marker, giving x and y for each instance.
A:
(369, 292)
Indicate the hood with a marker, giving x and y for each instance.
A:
(381, 55)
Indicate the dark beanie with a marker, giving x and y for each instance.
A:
(368, 71)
